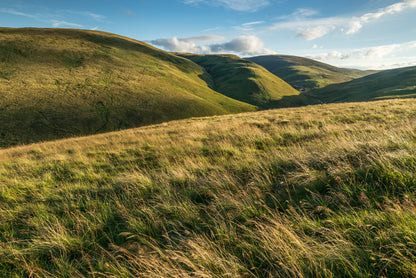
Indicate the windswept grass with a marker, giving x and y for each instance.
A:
(323, 191)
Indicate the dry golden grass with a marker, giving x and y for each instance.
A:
(319, 191)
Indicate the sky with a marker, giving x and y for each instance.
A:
(363, 34)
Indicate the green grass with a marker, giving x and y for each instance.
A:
(387, 84)
(57, 83)
(244, 80)
(322, 191)
(305, 74)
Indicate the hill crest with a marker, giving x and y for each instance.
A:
(306, 74)
(59, 83)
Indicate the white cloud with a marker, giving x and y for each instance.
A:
(62, 23)
(329, 56)
(354, 27)
(87, 14)
(244, 45)
(238, 5)
(310, 29)
(304, 12)
(299, 14)
(357, 23)
(178, 45)
(377, 57)
(382, 51)
(130, 13)
(205, 38)
(14, 12)
(52, 18)
(314, 33)
(253, 23)
(187, 44)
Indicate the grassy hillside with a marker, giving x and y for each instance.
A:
(396, 83)
(243, 80)
(305, 74)
(57, 83)
(327, 192)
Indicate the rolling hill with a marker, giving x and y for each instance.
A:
(244, 80)
(323, 191)
(57, 83)
(305, 74)
(387, 84)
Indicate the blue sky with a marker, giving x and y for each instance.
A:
(375, 34)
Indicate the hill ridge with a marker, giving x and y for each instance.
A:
(67, 82)
(306, 74)
(386, 84)
(244, 80)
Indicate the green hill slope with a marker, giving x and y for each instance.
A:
(244, 80)
(396, 83)
(322, 191)
(57, 83)
(305, 74)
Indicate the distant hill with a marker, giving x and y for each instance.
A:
(244, 80)
(395, 83)
(57, 83)
(305, 74)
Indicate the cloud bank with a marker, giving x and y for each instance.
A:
(243, 45)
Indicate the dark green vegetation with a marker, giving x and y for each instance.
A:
(396, 83)
(57, 83)
(244, 80)
(305, 74)
(279, 193)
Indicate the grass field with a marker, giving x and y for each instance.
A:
(318, 191)
(57, 83)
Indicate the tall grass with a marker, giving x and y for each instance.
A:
(323, 191)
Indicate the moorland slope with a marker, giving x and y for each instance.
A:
(387, 84)
(305, 74)
(245, 81)
(57, 83)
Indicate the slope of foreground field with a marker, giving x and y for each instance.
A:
(58, 83)
(306, 74)
(323, 191)
(387, 84)
(246, 81)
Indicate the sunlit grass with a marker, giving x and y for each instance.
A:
(322, 191)
(59, 83)
(388, 84)
(245, 81)
(306, 74)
